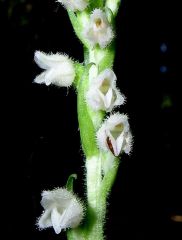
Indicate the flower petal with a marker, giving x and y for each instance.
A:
(120, 98)
(46, 61)
(41, 78)
(120, 144)
(72, 215)
(55, 219)
(108, 99)
(59, 197)
(45, 219)
(129, 143)
(93, 99)
(109, 74)
(62, 75)
(102, 138)
(104, 38)
(105, 100)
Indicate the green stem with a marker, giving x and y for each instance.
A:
(87, 130)
(96, 191)
(98, 186)
(95, 214)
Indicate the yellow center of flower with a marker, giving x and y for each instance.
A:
(117, 130)
(105, 86)
(98, 22)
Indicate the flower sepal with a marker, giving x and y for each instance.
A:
(69, 184)
(110, 15)
(113, 5)
(76, 5)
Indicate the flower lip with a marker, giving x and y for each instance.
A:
(46, 61)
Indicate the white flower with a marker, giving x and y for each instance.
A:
(102, 93)
(74, 5)
(99, 30)
(115, 135)
(62, 210)
(59, 69)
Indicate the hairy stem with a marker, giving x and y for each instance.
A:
(98, 186)
(96, 210)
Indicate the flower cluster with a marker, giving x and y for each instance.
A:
(59, 69)
(62, 209)
(114, 135)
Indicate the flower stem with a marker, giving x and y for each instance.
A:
(96, 208)
(98, 186)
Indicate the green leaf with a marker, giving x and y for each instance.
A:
(108, 59)
(76, 21)
(96, 4)
(87, 131)
(110, 16)
(69, 184)
(109, 180)
(113, 5)
(79, 69)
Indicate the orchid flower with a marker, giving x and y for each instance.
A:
(114, 135)
(62, 210)
(59, 69)
(103, 94)
(99, 30)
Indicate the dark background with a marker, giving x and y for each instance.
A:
(41, 129)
